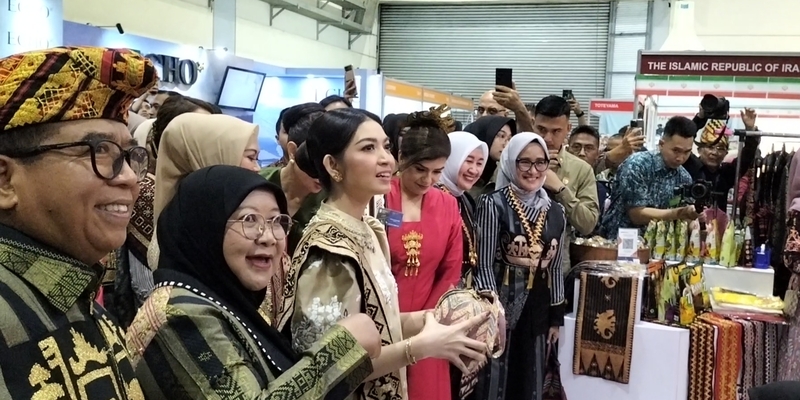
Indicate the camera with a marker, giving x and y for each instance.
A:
(698, 193)
(715, 107)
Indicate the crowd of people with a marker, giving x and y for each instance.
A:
(156, 258)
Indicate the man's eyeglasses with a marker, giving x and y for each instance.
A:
(577, 147)
(716, 149)
(526, 165)
(255, 225)
(490, 111)
(108, 158)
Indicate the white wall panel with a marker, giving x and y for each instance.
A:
(738, 25)
(290, 42)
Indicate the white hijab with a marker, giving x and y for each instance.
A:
(537, 198)
(462, 144)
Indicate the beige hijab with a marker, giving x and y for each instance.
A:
(190, 142)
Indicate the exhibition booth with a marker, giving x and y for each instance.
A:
(701, 319)
(402, 97)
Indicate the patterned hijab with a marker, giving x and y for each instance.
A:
(536, 199)
(461, 145)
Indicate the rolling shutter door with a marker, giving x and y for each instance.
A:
(456, 48)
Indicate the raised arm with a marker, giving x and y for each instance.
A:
(487, 237)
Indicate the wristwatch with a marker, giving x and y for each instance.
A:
(563, 188)
(580, 115)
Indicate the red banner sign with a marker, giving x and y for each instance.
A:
(610, 106)
(784, 66)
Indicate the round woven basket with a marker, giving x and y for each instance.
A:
(579, 253)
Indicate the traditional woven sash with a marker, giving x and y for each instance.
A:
(771, 360)
(728, 356)
(605, 321)
(748, 358)
(760, 354)
(701, 361)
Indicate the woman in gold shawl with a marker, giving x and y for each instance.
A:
(341, 267)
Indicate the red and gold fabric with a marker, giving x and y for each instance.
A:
(728, 356)
(71, 83)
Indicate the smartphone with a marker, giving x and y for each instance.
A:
(502, 77)
(637, 123)
(567, 94)
(350, 88)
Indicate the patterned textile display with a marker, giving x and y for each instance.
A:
(71, 83)
(701, 361)
(747, 377)
(605, 321)
(728, 361)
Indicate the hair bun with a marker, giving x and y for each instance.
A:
(433, 118)
(303, 161)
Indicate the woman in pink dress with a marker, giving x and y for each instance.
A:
(425, 238)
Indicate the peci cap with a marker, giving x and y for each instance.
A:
(71, 83)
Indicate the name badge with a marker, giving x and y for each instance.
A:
(390, 218)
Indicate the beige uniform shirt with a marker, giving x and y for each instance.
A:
(579, 198)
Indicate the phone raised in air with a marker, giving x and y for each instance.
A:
(567, 94)
(502, 77)
(350, 87)
(637, 123)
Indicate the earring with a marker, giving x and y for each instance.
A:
(336, 177)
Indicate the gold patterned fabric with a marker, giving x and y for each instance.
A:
(71, 83)
(187, 346)
(55, 341)
(701, 361)
(341, 267)
(605, 321)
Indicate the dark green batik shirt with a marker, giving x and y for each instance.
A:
(55, 341)
(300, 219)
(186, 346)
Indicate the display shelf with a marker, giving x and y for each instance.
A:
(751, 280)
(659, 362)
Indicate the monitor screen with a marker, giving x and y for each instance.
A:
(240, 89)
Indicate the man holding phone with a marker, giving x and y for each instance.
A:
(570, 181)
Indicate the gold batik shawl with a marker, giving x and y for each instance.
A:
(329, 231)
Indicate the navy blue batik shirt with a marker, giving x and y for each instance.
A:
(643, 180)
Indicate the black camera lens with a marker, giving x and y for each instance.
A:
(699, 191)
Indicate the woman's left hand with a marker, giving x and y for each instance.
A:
(552, 336)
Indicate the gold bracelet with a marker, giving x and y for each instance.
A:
(410, 358)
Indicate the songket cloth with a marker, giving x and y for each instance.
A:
(605, 321)
(701, 361)
(728, 362)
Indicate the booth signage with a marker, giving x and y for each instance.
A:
(176, 70)
(611, 106)
(779, 66)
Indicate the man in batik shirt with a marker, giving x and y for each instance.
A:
(69, 172)
(646, 182)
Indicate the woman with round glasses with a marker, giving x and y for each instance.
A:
(199, 335)
(519, 257)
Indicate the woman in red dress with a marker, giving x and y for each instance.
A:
(426, 248)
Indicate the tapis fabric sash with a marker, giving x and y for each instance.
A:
(605, 321)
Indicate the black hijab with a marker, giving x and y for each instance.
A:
(486, 129)
(191, 230)
(393, 124)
